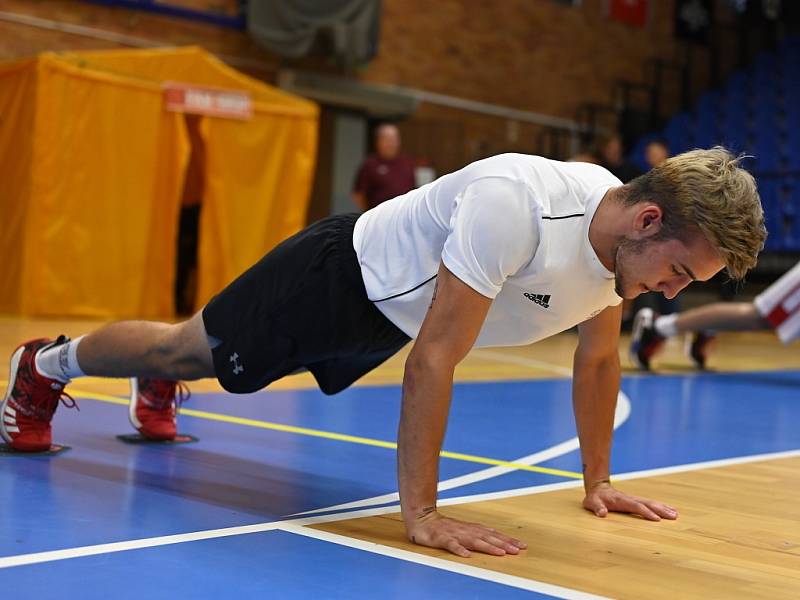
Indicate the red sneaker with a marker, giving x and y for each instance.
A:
(645, 340)
(154, 406)
(31, 399)
(698, 346)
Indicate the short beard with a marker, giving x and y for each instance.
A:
(625, 248)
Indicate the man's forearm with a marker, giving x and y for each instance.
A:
(427, 389)
(595, 389)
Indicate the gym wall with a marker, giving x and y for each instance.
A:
(532, 55)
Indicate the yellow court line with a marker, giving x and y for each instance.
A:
(329, 435)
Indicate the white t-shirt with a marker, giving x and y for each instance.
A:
(513, 227)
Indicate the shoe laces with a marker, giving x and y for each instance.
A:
(46, 396)
(163, 392)
(68, 401)
(183, 394)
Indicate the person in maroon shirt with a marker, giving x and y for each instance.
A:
(385, 174)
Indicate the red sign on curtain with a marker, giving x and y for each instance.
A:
(632, 12)
(214, 102)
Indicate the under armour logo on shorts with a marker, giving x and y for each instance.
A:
(237, 367)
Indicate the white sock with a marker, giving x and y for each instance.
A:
(667, 325)
(60, 362)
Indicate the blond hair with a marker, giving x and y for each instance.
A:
(707, 190)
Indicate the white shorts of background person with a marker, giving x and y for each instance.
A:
(779, 304)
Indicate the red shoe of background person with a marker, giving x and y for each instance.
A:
(31, 399)
(698, 347)
(645, 340)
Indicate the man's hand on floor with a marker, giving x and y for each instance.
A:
(460, 537)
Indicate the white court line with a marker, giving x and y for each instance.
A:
(620, 416)
(442, 564)
(167, 540)
(710, 464)
(51, 555)
(164, 540)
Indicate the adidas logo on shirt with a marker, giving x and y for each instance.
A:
(542, 300)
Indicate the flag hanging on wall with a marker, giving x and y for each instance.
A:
(631, 12)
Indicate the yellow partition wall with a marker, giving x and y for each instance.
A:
(258, 181)
(105, 198)
(17, 109)
(93, 169)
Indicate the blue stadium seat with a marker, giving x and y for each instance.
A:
(733, 135)
(738, 84)
(765, 63)
(765, 98)
(766, 148)
(791, 208)
(709, 105)
(791, 98)
(706, 126)
(790, 47)
(765, 119)
(791, 147)
(789, 52)
(679, 133)
(735, 104)
(757, 113)
(706, 134)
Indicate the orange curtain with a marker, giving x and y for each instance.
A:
(17, 109)
(108, 171)
(258, 182)
(92, 170)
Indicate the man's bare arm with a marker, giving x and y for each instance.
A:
(448, 332)
(595, 388)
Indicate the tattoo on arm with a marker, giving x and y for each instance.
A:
(426, 511)
(435, 289)
(422, 514)
(598, 482)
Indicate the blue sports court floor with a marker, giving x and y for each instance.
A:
(96, 521)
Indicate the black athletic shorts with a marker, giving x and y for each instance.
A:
(303, 305)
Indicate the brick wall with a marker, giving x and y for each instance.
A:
(533, 55)
(21, 40)
(529, 54)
